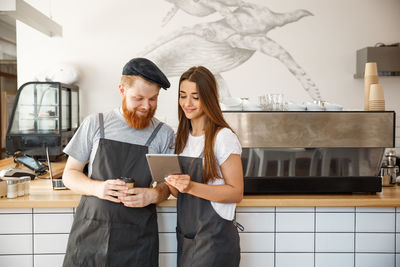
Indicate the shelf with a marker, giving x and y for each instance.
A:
(32, 105)
(39, 118)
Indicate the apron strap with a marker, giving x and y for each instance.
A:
(153, 134)
(101, 121)
(238, 225)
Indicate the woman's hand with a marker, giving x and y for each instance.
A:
(181, 182)
(110, 190)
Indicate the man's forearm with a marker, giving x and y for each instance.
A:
(79, 182)
(162, 191)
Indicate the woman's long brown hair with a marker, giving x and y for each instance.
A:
(208, 94)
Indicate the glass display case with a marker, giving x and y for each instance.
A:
(45, 114)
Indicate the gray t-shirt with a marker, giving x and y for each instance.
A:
(83, 145)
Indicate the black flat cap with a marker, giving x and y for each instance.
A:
(146, 69)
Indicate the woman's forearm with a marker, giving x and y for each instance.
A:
(216, 193)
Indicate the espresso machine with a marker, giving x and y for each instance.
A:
(313, 151)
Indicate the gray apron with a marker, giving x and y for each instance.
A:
(204, 238)
(105, 233)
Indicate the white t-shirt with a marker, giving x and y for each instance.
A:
(226, 143)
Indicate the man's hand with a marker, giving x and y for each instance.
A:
(110, 190)
(139, 197)
(181, 182)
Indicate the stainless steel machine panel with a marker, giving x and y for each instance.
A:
(311, 162)
(344, 129)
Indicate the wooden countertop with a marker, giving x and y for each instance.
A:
(56, 167)
(43, 196)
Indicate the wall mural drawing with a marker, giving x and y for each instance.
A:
(224, 44)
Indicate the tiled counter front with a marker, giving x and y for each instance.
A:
(34, 237)
(273, 236)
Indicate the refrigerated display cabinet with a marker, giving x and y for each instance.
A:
(45, 114)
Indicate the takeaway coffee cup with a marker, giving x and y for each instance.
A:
(370, 77)
(129, 182)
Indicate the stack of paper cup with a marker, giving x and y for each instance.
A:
(370, 77)
(376, 97)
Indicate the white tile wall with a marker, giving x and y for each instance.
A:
(48, 260)
(167, 242)
(255, 209)
(256, 259)
(294, 222)
(334, 242)
(294, 259)
(167, 259)
(335, 209)
(375, 222)
(256, 222)
(53, 210)
(50, 243)
(15, 211)
(295, 209)
(15, 223)
(335, 222)
(334, 260)
(53, 223)
(375, 209)
(374, 260)
(256, 242)
(15, 244)
(375, 242)
(16, 261)
(294, 242)
(166, 209)
(166, 222)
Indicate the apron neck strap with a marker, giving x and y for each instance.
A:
(201, 154)
(153, 134)
(101, 121)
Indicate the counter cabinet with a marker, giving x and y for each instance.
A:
(280, 230)
(273, 236)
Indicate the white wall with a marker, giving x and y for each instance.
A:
(101, 36)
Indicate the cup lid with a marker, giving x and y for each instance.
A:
(128, 179)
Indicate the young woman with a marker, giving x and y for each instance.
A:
(212, 179)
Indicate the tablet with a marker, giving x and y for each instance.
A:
(162, 165)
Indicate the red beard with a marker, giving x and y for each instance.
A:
(134, 120)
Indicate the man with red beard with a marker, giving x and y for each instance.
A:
(114, 225)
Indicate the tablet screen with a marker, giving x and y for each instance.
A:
(162, 165)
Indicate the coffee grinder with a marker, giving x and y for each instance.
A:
(389, 169)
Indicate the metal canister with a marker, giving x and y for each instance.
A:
(388, 175)
(21, 186)
(27, 184)
(12, 187)
(391, 158)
